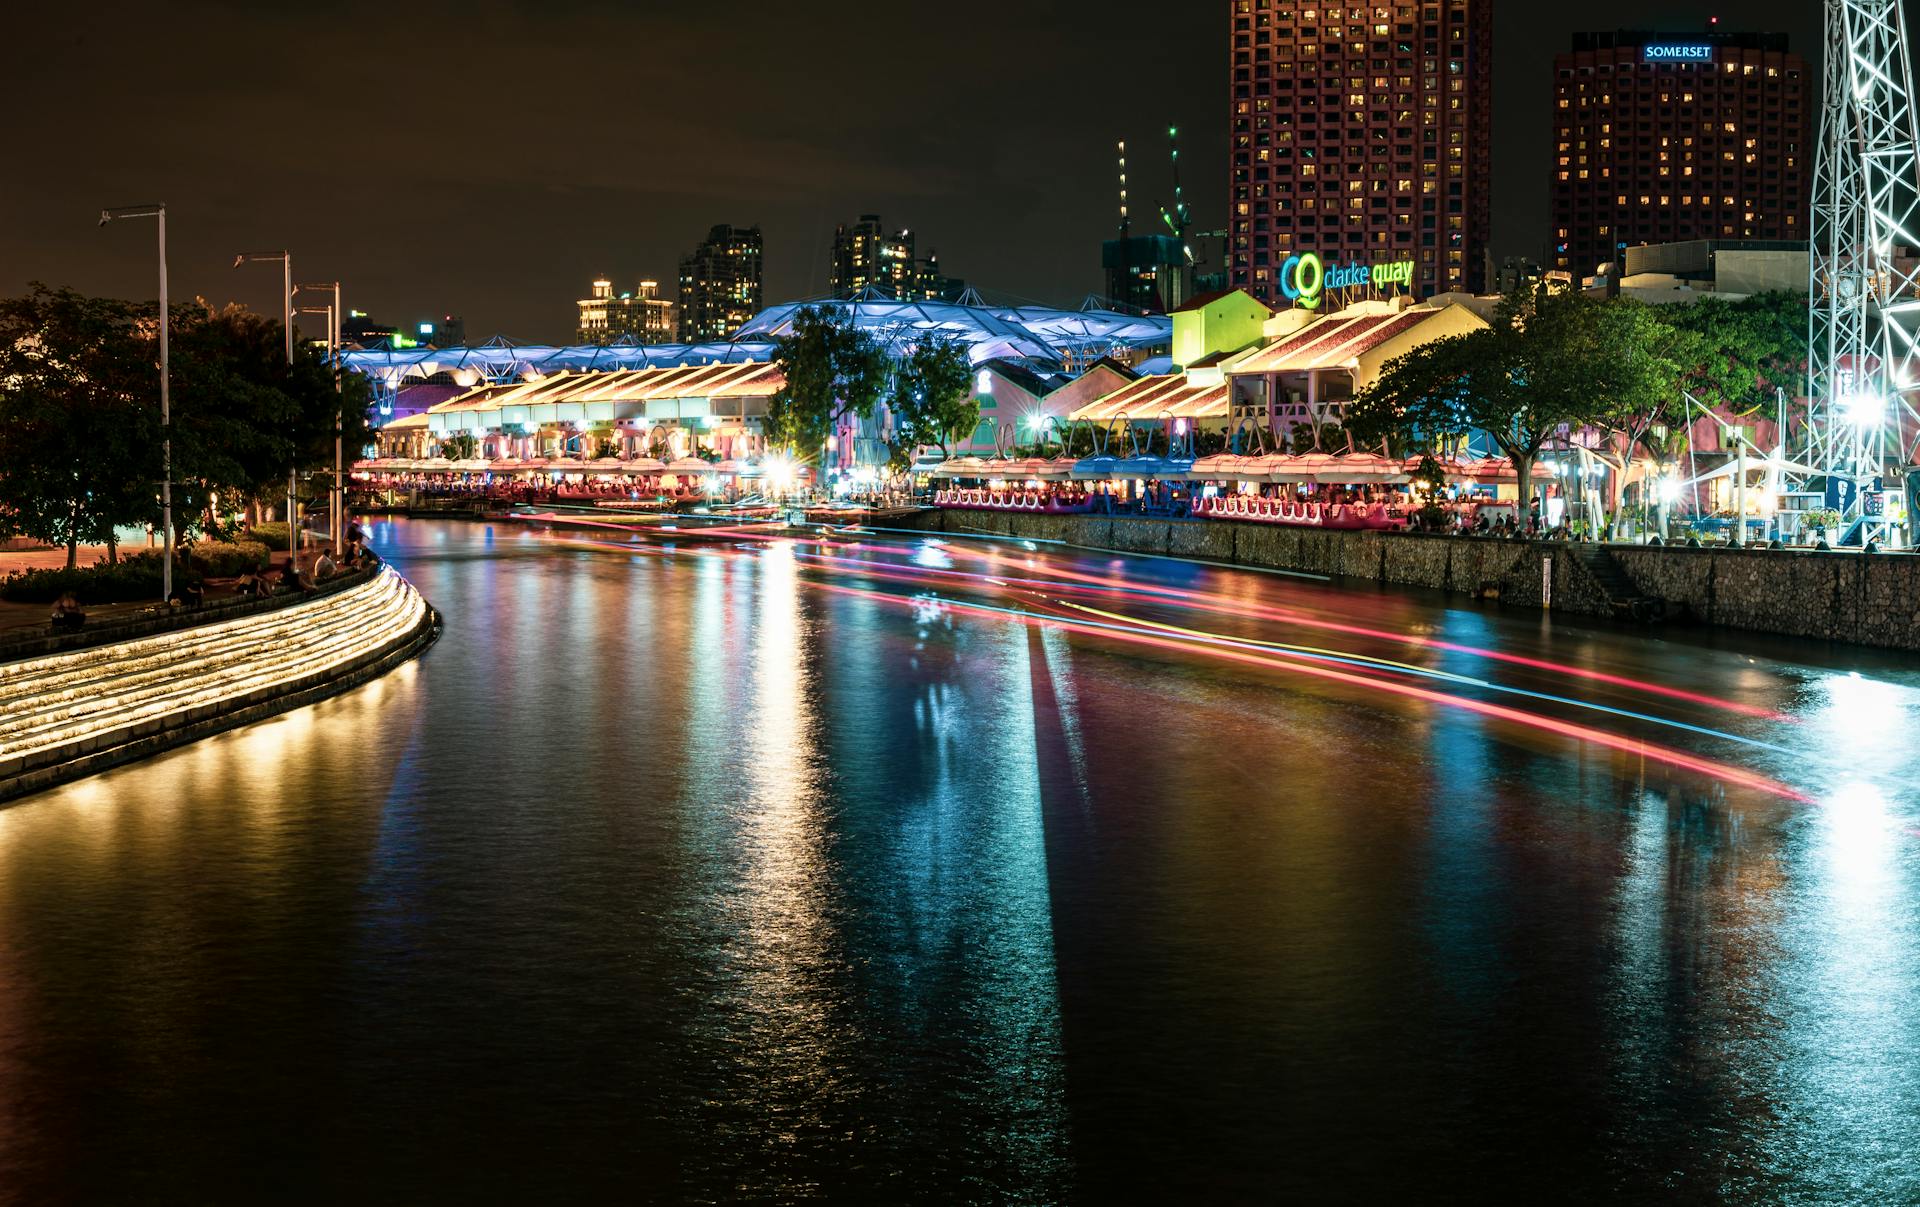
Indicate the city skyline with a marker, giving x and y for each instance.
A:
(398, 214)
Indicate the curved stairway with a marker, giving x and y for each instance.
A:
(66, 715)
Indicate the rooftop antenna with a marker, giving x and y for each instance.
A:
(1177, 219)
(1126, 225)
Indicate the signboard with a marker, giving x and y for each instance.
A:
(1677, 52)
(1306, 279)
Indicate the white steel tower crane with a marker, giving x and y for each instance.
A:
(1864, 345)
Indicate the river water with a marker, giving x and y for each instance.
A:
(883, 872)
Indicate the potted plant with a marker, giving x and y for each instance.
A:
(1819, 522)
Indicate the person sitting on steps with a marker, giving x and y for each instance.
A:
(67, 615)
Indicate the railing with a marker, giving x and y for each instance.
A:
(1301, 512)
(1035, 501)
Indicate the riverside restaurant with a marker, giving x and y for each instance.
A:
(1322, 490)
(675, 432)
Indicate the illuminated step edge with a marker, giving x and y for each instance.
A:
(321, 637)
(317, 647)
(168, 643)
(32, 697)
(37, 693)
(326, 641)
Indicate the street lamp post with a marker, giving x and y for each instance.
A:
(286, 304)
(336, 506)
(332, 500)
(159, 212)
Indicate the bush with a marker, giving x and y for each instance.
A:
(272, 534)
(136, 577)
(226, 559)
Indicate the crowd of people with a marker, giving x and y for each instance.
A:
(537, 491)
(296, 574)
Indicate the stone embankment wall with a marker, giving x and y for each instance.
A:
(74, 713)
(1871, 600)
(1868, 599)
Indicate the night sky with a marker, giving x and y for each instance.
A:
(489, 158)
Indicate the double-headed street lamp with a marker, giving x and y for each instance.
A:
(286, 304)
(159, 211)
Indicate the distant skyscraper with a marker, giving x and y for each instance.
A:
(359, 328)
(448, 331)
(865, 256)
(720, 284)
(1361, 135)
(1146, 272)
(643, 317)
(1661, 138)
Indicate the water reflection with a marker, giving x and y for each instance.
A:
(680, 871)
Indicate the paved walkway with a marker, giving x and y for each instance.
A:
(14, 560)
(14, 616)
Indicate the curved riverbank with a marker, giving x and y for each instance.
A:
(127, 691)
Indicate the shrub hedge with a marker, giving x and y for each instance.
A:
(225, 559)
(137, 576)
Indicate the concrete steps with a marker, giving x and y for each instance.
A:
(1627, 599)
(60, 706)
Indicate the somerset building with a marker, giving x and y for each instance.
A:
(642, 318)
(720, 285)
(1662, 138)
(1361, 134)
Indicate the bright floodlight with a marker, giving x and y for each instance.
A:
(1669, 490)
(1863, 408)
(779, 473)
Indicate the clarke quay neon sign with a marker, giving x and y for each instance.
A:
(1306, 279)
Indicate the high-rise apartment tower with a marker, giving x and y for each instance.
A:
(720, 284)
(1661, 138)
(1361, 134)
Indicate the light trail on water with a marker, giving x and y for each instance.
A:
(1665, 755)
(1060, 579)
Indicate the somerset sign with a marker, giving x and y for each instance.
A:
(1676, 52)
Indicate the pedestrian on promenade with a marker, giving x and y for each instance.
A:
(66, 613)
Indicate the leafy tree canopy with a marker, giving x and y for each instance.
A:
(79, 418)
(1550, 359)
(80, 433)
(832, 370)
(1744, 349)
(932, 400)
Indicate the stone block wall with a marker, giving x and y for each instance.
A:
(1871, 600)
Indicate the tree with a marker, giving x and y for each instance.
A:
(79, 419)
(1726, 355)
(1549, 360)
(243, 417)
(1748, 348)
(832, 370)
(932, 400)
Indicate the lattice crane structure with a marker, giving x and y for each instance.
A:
(1864, 333)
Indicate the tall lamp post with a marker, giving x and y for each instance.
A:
(336, 504)
(159, 211)
(286, 304)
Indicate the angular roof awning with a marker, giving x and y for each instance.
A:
(1172, 396)
(607, 395)
(1329, 343)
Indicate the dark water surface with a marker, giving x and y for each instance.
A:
(740, 875)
